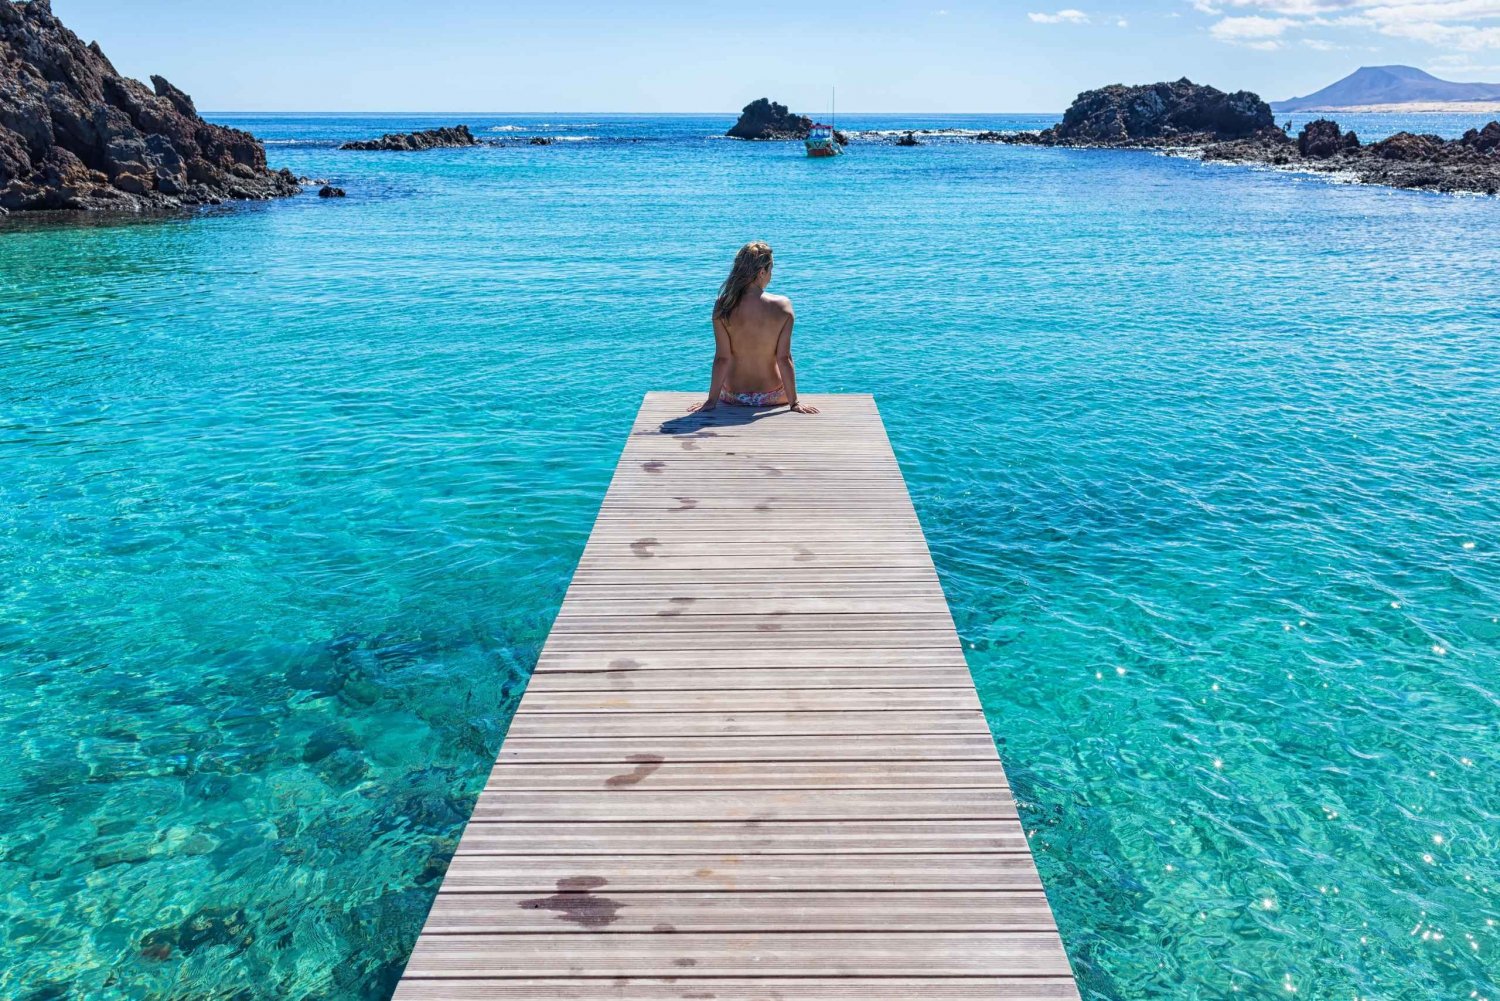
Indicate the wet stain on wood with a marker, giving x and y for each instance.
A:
(576, 902)
(645, 764)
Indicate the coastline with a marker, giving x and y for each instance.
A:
(1408, 108)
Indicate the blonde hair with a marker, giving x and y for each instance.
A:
(752, 259)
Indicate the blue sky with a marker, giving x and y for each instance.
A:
(678, 55)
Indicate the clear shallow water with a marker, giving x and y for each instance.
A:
(1207, 457)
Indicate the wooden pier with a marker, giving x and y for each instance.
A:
(751, 763)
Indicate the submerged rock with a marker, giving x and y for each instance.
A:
(210, 927)
(443, 138)
(539, 141)
(75, 134)
(765, 119)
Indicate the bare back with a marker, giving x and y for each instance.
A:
(759, 331)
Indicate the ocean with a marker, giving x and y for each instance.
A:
(1208, 457)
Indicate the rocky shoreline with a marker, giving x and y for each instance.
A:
(1188, 118)
(1470, 164)
(75, 135)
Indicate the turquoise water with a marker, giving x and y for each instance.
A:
(1208, 459)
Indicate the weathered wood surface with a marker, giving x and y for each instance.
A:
(751, 763)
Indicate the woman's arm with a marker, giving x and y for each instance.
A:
(784, 363)
(723, 365)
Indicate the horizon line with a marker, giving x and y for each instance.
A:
(729, 114)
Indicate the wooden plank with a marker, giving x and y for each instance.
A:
(583, 622)
(582, 603)
(716, 954)
(760, 988)
(977, 746)
(751, 763)
(795, 910)
(654, 772)
(663, 660)
(734, 873)
(728, 643)
(748, 679)
(800, 575)
(754, 700)
(874, 724)
(716, 837)
(747, 804)
(786, 588)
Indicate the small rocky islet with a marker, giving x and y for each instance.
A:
(1241, 128)
(765, 120)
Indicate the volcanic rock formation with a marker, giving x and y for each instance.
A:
(1404, 160)
(1153, 115)
(75, 134)
(444, 138)
(765, 119)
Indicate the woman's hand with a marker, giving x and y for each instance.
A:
(706, 405)
(803, 408)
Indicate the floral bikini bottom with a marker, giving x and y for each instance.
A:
(773, 398)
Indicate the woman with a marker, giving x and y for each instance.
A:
(752, 339)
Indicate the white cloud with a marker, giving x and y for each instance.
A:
(1462, 25)
(1241, 29)
(1068, 16)
(1122, 23)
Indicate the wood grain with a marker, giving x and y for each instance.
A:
(751, 763)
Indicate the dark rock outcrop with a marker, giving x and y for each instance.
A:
(1155, 115)
(396, 142)
(329, 191)
(1409, 146)
(765, 119)
(909, 139)
(1485, 140)
(75, 134)
(1323, 138)
(539, 141)
(1404, 160)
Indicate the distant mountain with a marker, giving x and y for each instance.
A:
(1386, 85)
